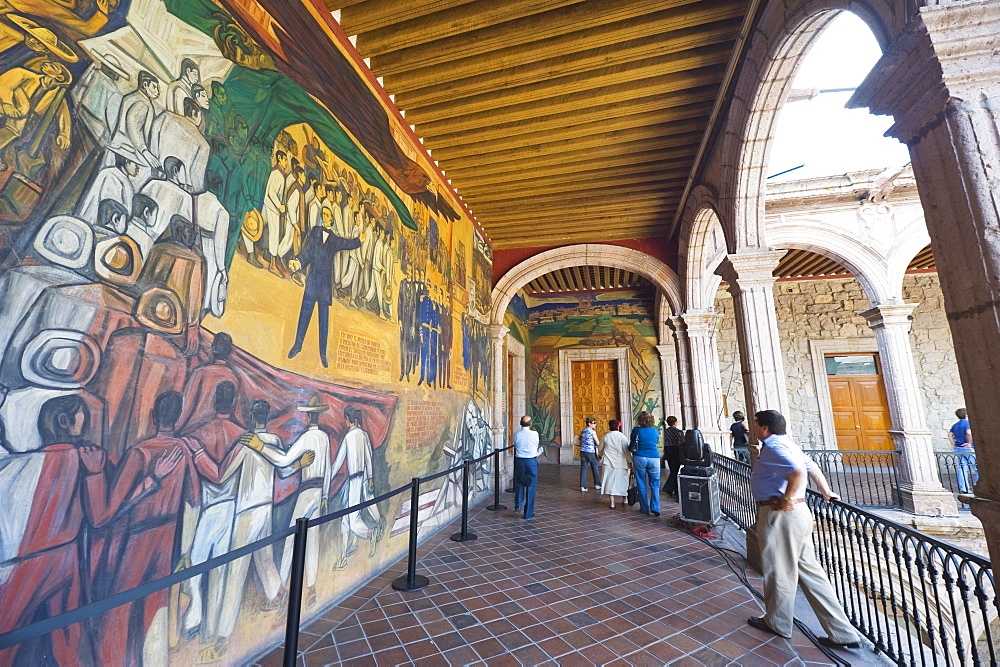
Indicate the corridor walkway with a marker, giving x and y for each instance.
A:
(579, 584)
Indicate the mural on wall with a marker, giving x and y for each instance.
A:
(610, 319)
(206, 285)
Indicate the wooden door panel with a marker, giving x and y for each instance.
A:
(595, 394)
(860, 412)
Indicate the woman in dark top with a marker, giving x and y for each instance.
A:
(646, 463)
(738, 437)
(673, 438)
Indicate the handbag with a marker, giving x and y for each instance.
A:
(633, 490)
(633, 441)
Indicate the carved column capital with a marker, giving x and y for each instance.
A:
(749, 270)
(700, 322)
(946, 55)
(889, 314)
(498, 331)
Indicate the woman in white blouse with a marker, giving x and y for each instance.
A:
(616, 461)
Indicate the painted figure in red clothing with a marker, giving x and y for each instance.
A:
(45, 575)
(149, 547)
(214, 530)
(199, 390)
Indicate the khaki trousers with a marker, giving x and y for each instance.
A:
(789, 560)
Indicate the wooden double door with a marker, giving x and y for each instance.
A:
(857, 396)
(595, 394)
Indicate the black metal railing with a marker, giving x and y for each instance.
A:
(958, 471)
(409, 581)
(863, 478)
(735, 499)
(917, 599)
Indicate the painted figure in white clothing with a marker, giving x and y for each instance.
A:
(356, 450)
(313, 489)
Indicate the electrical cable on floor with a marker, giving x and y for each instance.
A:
(740, 570)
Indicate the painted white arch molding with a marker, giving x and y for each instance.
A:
(586, 254)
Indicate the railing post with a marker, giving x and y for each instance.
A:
(412, 581)
(294, 614)
(496, 506)
(465, 535)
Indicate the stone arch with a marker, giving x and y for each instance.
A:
(586, 254)
(785, 31)
(867, 265)
(700, 250)
(912, 241)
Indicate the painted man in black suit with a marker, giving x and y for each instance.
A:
(316, 259)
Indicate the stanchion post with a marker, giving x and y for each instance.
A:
(496, 506)
(412, 581)
(465, 535)
(294, 614)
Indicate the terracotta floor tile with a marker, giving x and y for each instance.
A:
(393, 656)
(645, 594)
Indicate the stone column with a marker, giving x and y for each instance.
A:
(683, 349)
(706, 392)
(940, 80)
(498, 333)
(920, 486)
(751, 283)
(669, 380)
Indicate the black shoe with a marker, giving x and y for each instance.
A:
(759, 623)
(829, 643)
(656, 514)
(294, 351)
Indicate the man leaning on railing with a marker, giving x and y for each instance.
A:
(784, 531)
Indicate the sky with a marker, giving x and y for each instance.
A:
(820, 133)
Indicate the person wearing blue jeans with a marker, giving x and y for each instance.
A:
(960, 435)
(526, 451)
(588, 454)
(646, 463)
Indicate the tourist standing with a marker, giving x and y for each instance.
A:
(616, 461)
(673, 438)
(646, 462)
(526, 451)
(784, 532)
(965, 454)
(588, 454)
(738, 437)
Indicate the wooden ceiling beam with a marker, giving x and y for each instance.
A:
(593, 14)
(670, 26)
(568, 104)
(630, 229)
(590, 63)
(512, 189)
(658, 118)
(567, 203)
(666, 179)
(581, 198)
(555, 150)
(607, 211)
(609, 166)
(374, 14)
(529, 197)
(334, 5)
(607, 156)
(608, 112)
(479, 15)
(417, 111)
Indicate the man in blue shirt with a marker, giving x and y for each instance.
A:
(526, 451)
(961, 439)
(784, 532)
(588, 454)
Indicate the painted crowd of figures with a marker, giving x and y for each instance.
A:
(103, 522)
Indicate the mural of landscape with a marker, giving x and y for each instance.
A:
(549, 323)
(233, 292)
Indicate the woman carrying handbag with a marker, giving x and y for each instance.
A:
(646, 463)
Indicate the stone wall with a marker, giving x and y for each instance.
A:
(828, 309)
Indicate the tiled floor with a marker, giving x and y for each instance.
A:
(579, 584)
